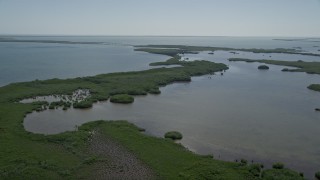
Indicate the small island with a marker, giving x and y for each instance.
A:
(263, 67)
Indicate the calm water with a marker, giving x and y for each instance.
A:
(264, 116)
(30, 61)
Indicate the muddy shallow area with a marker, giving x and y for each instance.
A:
(120, 164)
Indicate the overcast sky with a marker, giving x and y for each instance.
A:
(161, 17)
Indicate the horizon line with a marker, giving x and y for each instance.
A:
(97, 35)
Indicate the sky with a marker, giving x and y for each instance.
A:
(285, 18)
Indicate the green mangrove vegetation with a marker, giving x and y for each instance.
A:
(26, 155)
(172, 61)
(85, 104)
(172, 50)
(122, 98)
(174, 135)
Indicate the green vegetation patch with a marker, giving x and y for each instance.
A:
(172, 61)
(122, 98)
(174, 135)
(83, 104)
(278, 165)
(154, 91)
(315, 87)
(281, 174)
(104, 85)
(263, 67)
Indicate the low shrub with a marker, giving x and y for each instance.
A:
(135, 92)
(278, 165)
(317, 175)
(174, 135)
(243, 162)
(255, 169)
(83, 104)
(154, 91)
(301, 174)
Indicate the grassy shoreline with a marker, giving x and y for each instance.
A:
(25, 155)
